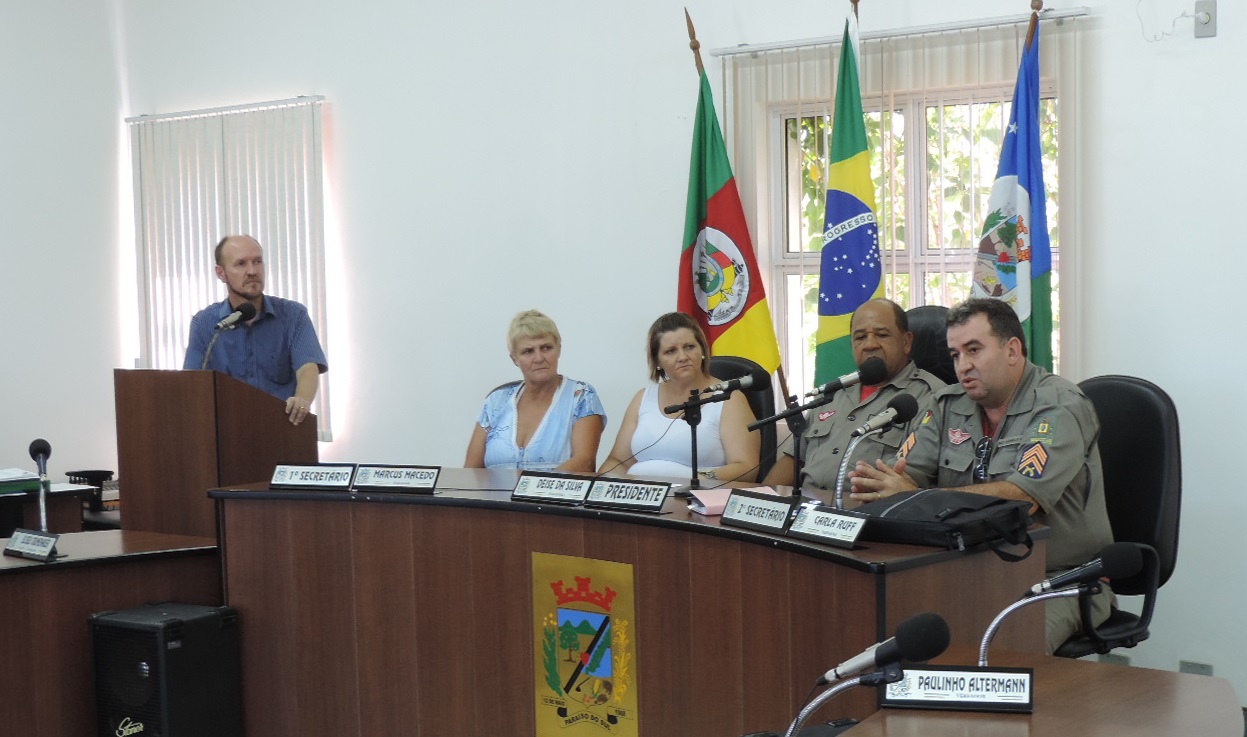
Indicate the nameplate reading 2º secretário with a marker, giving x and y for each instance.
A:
(400, 479)
(548, 486)
(757, 511)
(963, 688)
(32, 545)
(633, 496)
(828, 525)
(326, 476)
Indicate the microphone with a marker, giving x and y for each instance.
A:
(921, 637)
(732, 385)
(901, 409)
(1119, 560)
(245, 312)
(40, 449)
(872, 371)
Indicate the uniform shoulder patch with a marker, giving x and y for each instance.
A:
(1033, 460)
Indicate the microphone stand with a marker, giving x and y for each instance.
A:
(45, 488)
(1093, 588)
(795, 415)
(692, 415)
(890, 674)
(843, 472)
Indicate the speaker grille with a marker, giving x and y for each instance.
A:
(128, 673)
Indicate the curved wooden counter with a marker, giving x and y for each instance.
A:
(410, 614)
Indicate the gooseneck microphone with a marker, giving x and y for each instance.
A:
(243, 313)
(921, 637)
(1118, 560)
(872, 371)
(900, 409)
(731, 385)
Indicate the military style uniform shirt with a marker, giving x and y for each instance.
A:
(1046, 446)
(827, 436)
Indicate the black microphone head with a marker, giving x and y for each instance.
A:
(906, 407)
(40, 448)
(1120, 560)
(248, 311)
(922, 637)
(873, 371)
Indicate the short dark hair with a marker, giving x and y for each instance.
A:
(667, 323)
(220, 246)
(1000, 317)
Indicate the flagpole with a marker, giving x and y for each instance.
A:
(1036, 6)
(693, 43)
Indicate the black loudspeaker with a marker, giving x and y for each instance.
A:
(167, 670)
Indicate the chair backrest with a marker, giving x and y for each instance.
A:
(761, 398)
(1141, 455)
(929, 325)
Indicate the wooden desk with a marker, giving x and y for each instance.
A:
(47, 680)
(407, 614)
(1076, 697)
(64, 508)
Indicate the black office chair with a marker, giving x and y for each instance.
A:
(929, 324)
(761, 398)
(1142, 463)
(94, 515)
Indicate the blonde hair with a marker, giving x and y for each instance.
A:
(531, 324)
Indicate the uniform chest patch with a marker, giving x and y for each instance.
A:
(957, 436)
(824, 416)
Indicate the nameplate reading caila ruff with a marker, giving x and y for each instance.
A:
(328, 476)
(634, 496)
(32, 545)
(405, 479)
(548, 486)
(757, 510)
(825, 524)
(963, 688)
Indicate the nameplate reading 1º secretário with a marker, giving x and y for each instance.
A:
(828, 525)
(757, 511)
(327, 476)
(548, 486)
(32, 545)
(400, 479)
(634, 496)
(963, 688)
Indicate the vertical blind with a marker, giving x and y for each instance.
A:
(202, 175)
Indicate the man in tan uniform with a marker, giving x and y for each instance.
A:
(1010, 429)
(879, 329)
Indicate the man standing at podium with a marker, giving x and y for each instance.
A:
(277, 351)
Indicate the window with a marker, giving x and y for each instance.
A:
(201, 175)
(936, 106)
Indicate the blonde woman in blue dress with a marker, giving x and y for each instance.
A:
(547, 422)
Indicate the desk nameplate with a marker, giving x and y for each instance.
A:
(963, 688)
(552, 487)
(403, 479)
(823, 524)
(758, 511)
(326, 476)
(629, 495)
(32, 545)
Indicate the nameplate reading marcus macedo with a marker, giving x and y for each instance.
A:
(552, 487)
(32, 545)
(396, 479)
(963, 688)
(827, 525)
(757, 511)
(324, 476)
(628, 494)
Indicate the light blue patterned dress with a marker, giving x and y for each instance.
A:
(551, 445)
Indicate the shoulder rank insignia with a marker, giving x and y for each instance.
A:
(1033, 460)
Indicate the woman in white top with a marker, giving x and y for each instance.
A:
(653, 443)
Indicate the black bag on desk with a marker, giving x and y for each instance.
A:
(949, 519)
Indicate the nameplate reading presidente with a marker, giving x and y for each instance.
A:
(40, 546)
(757, 511)
(634, 496)
(328, 476)
(963, 688)
(549, 486)
(404, 479)
(824, 524)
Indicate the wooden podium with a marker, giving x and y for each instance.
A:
(180, 433)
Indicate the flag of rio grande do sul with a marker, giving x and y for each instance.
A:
(719, 284)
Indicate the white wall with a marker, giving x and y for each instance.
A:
(491, 156)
